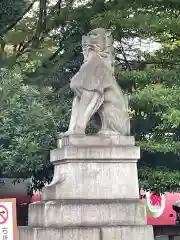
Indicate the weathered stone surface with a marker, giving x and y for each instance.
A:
(96, 140)
(29, 233)
(106, 233)
(93, 180)
(94, 191)
(94, 153)
(128, 233)
(86, 213)
(86, 169)
(96, 90)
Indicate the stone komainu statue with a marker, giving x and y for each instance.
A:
(96, 89)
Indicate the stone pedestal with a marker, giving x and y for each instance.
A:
(94, 194)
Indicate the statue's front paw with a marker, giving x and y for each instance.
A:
(106, 132)
(78, 130)
(66, 134)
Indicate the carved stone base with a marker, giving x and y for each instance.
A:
(74, 213)
(93, 140)
(104, 233)
(94, 194)
(94, 167)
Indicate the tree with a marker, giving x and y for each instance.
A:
(153, 83)
(11, 12)
(46, 46)
(28, 129)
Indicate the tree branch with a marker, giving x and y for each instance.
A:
(40, 25)
(161, 61)
(124, 55)
(2, 44)
(22, 48)
(52, 57)
(58, 5)
(19, 19)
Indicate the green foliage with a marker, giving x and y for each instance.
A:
(28, 129)
(159, 181)
(11, 11)
(46, 45)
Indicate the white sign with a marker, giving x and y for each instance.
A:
(8, 223)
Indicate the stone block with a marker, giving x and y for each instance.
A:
(93, 195)
(29, 233)
(96, 140)
(128, 233)
(93, 180)
(105, 233)
(96, 147)
(95, 153)
(94, 167)
(86, 213)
